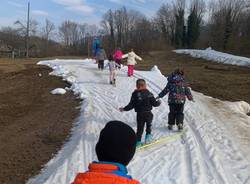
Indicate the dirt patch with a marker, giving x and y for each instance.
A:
(33, 123)
(226, 82)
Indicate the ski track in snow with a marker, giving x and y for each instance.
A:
(208, 153)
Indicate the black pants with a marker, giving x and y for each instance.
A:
(142, 118)
(101, 64)
(118, 61)
(176, 114)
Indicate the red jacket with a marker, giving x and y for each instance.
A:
(118, 55)
(105, 173)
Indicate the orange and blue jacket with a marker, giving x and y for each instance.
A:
(105, 173)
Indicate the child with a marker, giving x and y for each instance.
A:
(142, 101)
(115, 149)
(112, 70)
(178, 90)
(101, 56)
(131, 61)
(118, 57)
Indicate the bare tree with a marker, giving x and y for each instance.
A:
(108, 24)
(69, 32)
(47, 32)
(180, 29)
(48, 29)
(22, 28)
(224, 20)
(165, 20)
(197, 10)
(10, 37)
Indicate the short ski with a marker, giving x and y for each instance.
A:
(168, 138)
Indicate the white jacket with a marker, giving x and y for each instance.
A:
(131, 58)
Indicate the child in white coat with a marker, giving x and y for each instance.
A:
(131, 61)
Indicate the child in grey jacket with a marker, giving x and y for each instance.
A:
(100, 57)
(112, 69)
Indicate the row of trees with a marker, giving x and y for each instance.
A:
(128, 29)
(221, 24)
(71, 38)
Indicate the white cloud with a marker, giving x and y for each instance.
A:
(5, 21)
(18, 5)
(81, 8)
(39, 13)
(141, 1)
(75, 5)
(68, 2)
(128, 2)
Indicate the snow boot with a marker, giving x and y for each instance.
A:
(148, 139)
(138, 144)
(111, 82)
(180, 127)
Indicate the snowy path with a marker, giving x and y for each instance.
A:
(214, 150)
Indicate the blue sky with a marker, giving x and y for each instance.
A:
(88, 11)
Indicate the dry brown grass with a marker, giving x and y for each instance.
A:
(15, 65)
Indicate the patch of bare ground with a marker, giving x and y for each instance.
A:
(34, 124)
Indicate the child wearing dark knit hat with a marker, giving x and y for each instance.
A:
(115, 149)
(142, 101)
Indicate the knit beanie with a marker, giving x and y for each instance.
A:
(117, 143)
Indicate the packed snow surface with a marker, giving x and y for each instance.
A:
(212, 55)
(214, 150)
(58, 91)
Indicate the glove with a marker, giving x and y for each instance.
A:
(159, 101)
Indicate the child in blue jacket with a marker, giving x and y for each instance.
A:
(178, 90)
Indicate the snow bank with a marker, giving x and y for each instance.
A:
(240, 107)
(212, 55)
(156, 69)
(58, 91)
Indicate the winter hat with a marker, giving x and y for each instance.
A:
(117, 143)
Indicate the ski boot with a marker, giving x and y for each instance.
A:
(148, 139)
(170, 127)
(180, 126)
(138, 144)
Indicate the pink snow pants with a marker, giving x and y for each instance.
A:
(130, 70)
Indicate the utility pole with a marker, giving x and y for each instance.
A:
(27, 31)
(88, 48)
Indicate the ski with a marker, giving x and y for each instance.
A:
(165, 139)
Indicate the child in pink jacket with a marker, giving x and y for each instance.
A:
(118, 57)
